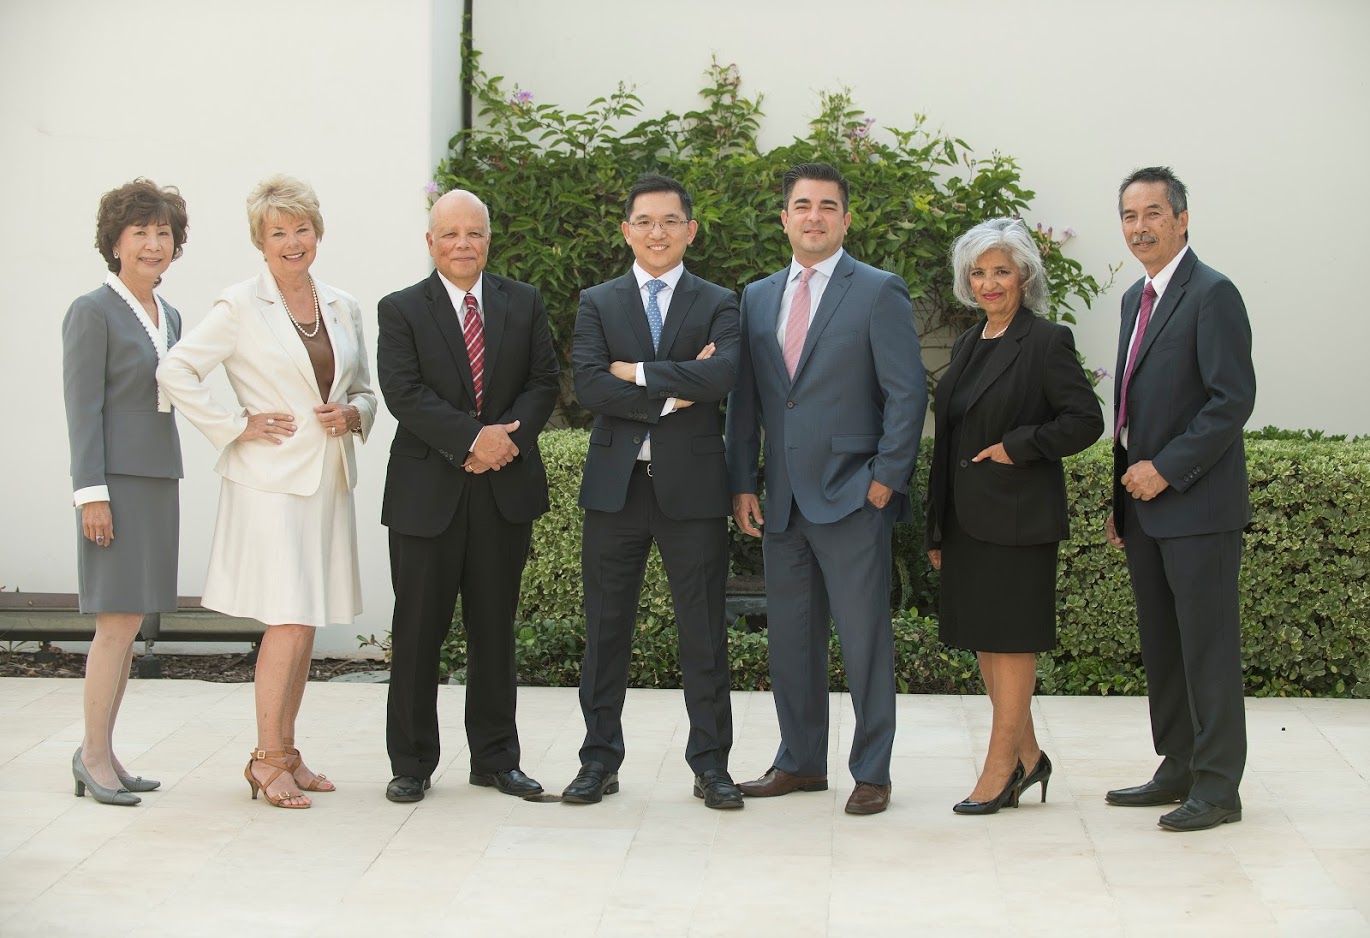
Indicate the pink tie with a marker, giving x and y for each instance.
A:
(1143, 317)
(797, 325)
(474, 333)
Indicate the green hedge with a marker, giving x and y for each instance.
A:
(1305, 587)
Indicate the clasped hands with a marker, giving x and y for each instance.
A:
(336, 419)
(627, 371)
(493, 450)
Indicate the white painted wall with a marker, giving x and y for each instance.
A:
(1258, 104)
(210, 98)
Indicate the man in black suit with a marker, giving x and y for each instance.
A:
(1186, 387)
(466, 364)
(655, 352)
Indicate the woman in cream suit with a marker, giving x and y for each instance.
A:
(125, 459)
(285, 541)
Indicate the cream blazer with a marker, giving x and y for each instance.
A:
(249, 332)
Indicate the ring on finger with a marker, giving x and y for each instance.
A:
(271, 421)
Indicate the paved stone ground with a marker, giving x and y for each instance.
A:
(199, 857)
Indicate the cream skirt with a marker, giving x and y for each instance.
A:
(286, 559)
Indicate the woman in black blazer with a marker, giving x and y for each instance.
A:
(1013, 402)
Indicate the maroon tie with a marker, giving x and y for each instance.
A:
(474, 333)
(1143, 317)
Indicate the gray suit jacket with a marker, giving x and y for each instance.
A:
(854, 411)
(109, 370)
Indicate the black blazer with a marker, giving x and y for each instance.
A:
(1033, 397)
(425, 377)
(689, 472)
(1192, 390)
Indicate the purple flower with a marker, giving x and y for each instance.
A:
(1100, 374)
(521, 99)
(1069, 233)
(431, 189)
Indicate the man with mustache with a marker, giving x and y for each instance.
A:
(830, 372)
(1186, 387)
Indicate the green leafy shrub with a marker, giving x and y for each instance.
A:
(555, 182)
(1305, 588)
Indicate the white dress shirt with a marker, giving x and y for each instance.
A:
(663, 301)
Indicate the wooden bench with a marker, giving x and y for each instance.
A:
(55, 617)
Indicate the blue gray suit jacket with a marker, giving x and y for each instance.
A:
(854, 411)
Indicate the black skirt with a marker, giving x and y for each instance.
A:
(996, 598)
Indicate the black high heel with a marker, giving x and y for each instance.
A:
(1041, 772)
(1009, 797)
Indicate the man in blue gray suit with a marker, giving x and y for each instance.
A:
(831, 376)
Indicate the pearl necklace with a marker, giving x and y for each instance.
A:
(984, 332)
(318, 319)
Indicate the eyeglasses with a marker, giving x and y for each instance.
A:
(670, 226)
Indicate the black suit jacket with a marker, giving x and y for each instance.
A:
(425, 376)
(1034, 397)
(1192, 389)
(689, 472)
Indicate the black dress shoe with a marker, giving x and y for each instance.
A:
(716, 787)
(1198, 815)
(404, 788)
(510, 781)
(591, 785)
(1147, 795)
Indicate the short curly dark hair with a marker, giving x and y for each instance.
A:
(140, 202)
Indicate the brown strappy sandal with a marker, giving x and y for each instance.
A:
(296, 761)
(276, 759)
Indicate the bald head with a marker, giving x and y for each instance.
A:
(459, 237)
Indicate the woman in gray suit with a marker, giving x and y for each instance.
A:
(1013, 402)
(125, 459)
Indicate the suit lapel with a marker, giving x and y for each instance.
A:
(278, 321)
(1174, 291)
(630, 302)
(837, 288)
(496, 318)
(1002, 355)
(329, 303)
(947, 386)
(445, 317)
(682, 301)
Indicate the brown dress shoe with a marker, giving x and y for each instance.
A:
(868, 799)
(779, 782)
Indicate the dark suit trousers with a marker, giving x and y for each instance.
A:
(840, 571)
(481, 556)
(1190, 625)
(614, 551)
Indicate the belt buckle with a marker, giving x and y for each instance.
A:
(649, 468)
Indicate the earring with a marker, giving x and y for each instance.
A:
(116, 255)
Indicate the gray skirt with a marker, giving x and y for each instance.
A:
(137, 572)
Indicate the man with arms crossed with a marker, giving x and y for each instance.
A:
(466, 364)
(830, 372)
(655, 353)
(1180, 501)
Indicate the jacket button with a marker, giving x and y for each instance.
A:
(637, 440)
(964, 464)
(789, 404)
(471, 413)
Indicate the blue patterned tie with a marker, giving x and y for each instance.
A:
(654, 311)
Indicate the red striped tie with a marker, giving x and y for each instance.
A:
(474, 333)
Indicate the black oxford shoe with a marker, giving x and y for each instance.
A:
(716, 787)
(1147, 795)
(1198, 815)
(510, 781)
(403, 788)
(591, 785)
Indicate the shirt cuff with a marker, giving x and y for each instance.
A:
(640, 376)
(669, 408)
(91, 493)
(473, 442)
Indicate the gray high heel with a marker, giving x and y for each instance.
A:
(97, 791)
(138, 783)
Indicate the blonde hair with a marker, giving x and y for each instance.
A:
(282, 195)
